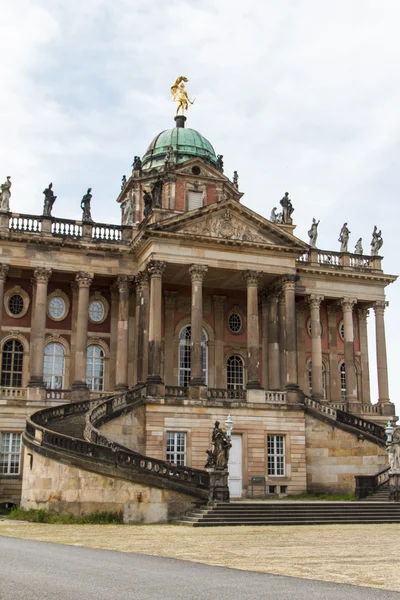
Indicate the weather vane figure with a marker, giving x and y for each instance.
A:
(180, 95)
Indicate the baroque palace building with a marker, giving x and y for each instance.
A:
(199, 307)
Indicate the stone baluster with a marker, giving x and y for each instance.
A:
(252, 279)
(363, 314)
(273, 341)
(347, 305)
(155, 270)
(38, 327)
(84, 281)
(197, 274)
(381, 359)
(316, 347)
(123, 282)
(142, 299)
(3, 276)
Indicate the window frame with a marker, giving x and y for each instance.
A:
(90, 379)
(175, 453)
(9, 454)
(16, 291)
(234, 385)
(53, 374)
(184, 371)
(12, 372)
(277, 465)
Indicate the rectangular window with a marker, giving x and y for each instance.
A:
(176, 447)
(276, 455)
(194, 200)
(10, 453)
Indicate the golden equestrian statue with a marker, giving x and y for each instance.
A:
(180, 94)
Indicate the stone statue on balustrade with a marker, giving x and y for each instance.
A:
(148, 203)
(376, 242)
(288, 209)
(123, 182)
(313, 233)
(275, 217)
(235, 180)
(137, 164)
(49, 199)
(344, 238)
(218, 456)
(5, 194)
(127, 211)
(85, 206)
(393, 449)
(220, 162)
(359, 249)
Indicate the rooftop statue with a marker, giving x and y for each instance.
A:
(148, 203)
(275, 217)
(313, 233)
(123, 182)
(376, 242)
(236, 179)
(220, 163)
(359, 249)
(344, 238)
(49, 199)
(288, 209)
(180, 94)
(5, 194)
(127, 211)
(169, 158)
(85, 206)
(137, 164)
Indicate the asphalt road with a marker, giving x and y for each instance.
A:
(42, 571)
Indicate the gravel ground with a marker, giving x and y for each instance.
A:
(365, 555)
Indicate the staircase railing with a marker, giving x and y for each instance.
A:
(369, 484)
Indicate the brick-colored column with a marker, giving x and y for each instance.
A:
(381, 359)
(123, 282)
(38, 327)
(197, 273)
(334, 375)
(282, 340)
(273, 342)
(362, 322)
(3, 277)
(84, 281)
(316, 347)
(155, 269)
(351, 381)
(288, 285)
(169, 308)
(219, 324)
(252, 279)
(142, 298)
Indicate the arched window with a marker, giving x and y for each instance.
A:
(11, 364)
(235, 372)
(54, 365)
(343, 381)
(95, 368)
(185, 356)
(323, 379)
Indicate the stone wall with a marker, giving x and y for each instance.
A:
(335, 456)
(128, 430)
(62, 488)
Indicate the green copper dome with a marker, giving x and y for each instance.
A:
(186, 143)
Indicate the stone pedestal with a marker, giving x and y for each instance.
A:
(394, 487)
(219, 490)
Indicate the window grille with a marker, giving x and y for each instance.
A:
(54, 364)
(12, 363)
(95, 368)
(16, 304)
(235, 323)
(10, 453)
(276, 455)
(234, 373)
(176, 447)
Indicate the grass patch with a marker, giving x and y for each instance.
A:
(45, 516)
(349, 497)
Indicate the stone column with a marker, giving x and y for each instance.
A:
(301, 346)
(316, 347)
(381, 359)
(219, 325)
(362, 322)
(264, 339)
(288, 284)
(273, 342)
(351, 381)
(84, 281)
(38, 327)
(252, 279)
(169, 307)
(3, 276)
(155, 269)
(122, 333)
(334, 375)
(197, 273)
(282, 340)
(142, 298)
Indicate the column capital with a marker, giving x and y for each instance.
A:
(363, 313)
(141, 280)
(156, 268)
(219, 301)
(42, 275)
(123, 282)
(170, 299)
(314, 300)
(197, 272)
(347, 304)
(379, 307)
(3, 271)
(84, 279)
(331, 309)
(252, 277)
(288, 282)
(270, 293)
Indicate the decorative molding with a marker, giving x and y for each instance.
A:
(84, 279)
(197, 272)
(347, 304)
(98, 297)
(16, 290)
(379, 307)
(58, 294)
(225, 226)
(252, 277)
(156, 268)
(314, 301)
(3, 271)
(42, 275)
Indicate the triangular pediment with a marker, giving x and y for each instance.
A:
(206, 170)
(229, 221)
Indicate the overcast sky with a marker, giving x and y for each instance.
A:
(300, 96)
